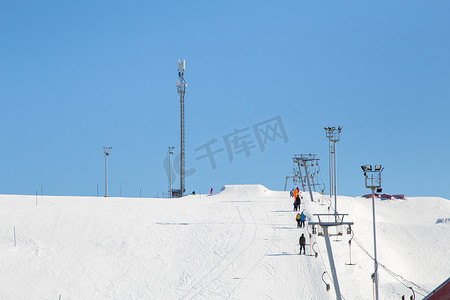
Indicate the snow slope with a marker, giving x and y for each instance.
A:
(241, 243)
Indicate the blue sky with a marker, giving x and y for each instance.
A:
(77, 76)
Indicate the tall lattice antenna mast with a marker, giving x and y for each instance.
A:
(181, 88)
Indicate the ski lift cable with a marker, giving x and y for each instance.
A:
(392, 273)
(321, 178)
(321, 258)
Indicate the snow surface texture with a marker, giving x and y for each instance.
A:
(239, 244)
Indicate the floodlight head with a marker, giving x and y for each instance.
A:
(377, 167)
(369, 167)
(340, 128)
(333, 128)
(326, 128)
(363, 168)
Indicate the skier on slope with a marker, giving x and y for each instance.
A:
(302, 220)
(302, 241)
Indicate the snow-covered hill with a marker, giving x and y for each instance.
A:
(239, 244)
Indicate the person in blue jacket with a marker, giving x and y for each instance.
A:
(302, 220)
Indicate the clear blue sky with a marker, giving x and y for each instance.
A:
(79, 75)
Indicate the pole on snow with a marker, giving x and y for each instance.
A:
(333, 135)
(373, 181)
(325, 226)
(107, 151)
(170, 153)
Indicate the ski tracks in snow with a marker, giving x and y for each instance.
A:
(232, 263)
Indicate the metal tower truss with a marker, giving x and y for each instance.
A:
(308, 176)
(181, 89)
(294, 177)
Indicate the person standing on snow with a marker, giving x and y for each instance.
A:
(302, 220)
(298, 201)
(297, 218)
(302, 241)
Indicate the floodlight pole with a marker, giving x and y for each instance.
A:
(335, 178)
(333, 134)
(181, 88)
(107, 151)
(373, 183)
(375, 277)
(170, 171)
(331, 169)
